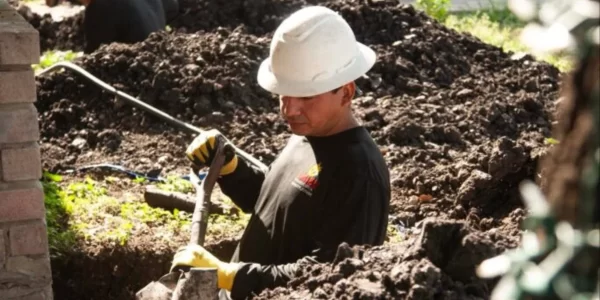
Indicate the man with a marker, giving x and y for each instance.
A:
(123, 21)
(329, 185)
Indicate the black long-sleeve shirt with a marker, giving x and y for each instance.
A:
(318, 193)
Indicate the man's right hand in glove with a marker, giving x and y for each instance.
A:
(202, 151)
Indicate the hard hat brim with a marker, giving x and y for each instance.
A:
(266, 79)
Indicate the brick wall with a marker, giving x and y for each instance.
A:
(24, 262)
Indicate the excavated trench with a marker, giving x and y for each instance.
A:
(460, 123)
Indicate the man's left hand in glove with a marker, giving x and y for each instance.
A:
(197, 257)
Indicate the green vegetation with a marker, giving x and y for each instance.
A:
(551, 141)
(82, 211)
(501, 28)
(60, 236)
(53, 56)
(495, 26)
(393, 235)
(176, 184)
(438, 9)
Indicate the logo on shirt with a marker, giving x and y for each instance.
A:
(309, 181)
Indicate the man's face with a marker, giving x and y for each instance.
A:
(317, 115)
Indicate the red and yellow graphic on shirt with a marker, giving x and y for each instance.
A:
(309, 181)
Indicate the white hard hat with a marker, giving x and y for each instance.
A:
(313, 51)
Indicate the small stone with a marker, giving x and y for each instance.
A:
(425, 198)
(319, 293)
(225, 48)
(464, 93)
(164, 159)
(396, 271)
(413, 200)
(79, 143)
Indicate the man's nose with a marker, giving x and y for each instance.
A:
(291, 106)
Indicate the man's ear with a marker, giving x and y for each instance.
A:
(349, 89)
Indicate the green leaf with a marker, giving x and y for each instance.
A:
(551, 141)
(52, 177)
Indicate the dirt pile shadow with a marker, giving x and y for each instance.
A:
(114, 272)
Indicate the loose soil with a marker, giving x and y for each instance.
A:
(460, 124)
(437, 264)
(64, 35)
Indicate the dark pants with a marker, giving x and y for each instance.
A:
(124, 21)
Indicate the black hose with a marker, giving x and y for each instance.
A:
(148, 108)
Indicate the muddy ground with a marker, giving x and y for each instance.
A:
(460, 122)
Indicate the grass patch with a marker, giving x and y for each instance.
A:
(501, 28)
(88, 213)
(83, 212)
(51, 57)
(438, 9)
(60, 236)
(176, 184)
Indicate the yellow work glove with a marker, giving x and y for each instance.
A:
(202, 151)
(198, 257)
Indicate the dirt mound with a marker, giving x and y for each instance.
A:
(438, 264)
(207, 79)
(259, 17)
(64, 35)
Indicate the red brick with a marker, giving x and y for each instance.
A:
(21, 163)
(17, 86)
(36, 268)
(19, 41)
(2, 247)
(25, 203)
(33, 296)
(27, 278)
(28, 239)
(18, 123)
